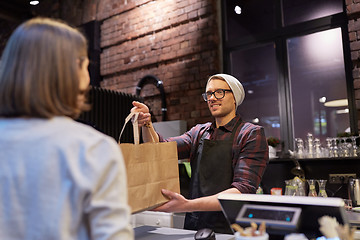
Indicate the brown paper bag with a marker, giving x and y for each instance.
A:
(150, 167)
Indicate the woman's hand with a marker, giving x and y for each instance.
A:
(143, 110)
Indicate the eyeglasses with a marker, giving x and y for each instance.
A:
(218, 94)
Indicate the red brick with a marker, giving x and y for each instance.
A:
(354, 25)
(181, 18)
(195, 114)
(353, 8)
(352, 36)
(179, 12)
(189, 8)
(355, 45)
(356, 73)
(182, 3)
(354, 55)
(185, 86)
(193, 14)
(357, 83)
(357, 94)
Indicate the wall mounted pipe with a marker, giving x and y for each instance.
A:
(151, 79)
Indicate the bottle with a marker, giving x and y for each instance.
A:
(310, 145)
(259, 190)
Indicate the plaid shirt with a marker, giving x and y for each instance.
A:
(249, 152)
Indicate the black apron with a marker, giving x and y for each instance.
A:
(211, 173)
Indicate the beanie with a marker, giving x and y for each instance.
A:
(234, 84)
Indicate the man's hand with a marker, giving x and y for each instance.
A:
(143, 110)
(176, 203)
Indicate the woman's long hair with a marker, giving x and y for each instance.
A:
(39, 70)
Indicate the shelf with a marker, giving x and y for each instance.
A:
(313, 159)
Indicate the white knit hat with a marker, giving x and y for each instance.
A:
(235, 85)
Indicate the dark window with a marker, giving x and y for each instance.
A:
(256, 67)
(291, 56)
(296, 11)
(249, 18)
(317, 77)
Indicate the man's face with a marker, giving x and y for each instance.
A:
(224, 107)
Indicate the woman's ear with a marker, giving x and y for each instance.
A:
(80, 61)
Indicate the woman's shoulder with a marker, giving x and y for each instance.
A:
(72, 129)
(85, 138)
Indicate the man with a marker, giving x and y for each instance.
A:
(226, 156)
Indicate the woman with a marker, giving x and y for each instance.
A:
(59, 179)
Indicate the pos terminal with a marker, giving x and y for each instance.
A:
(282, 214)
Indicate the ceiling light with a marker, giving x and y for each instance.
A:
(322, 99)
(237, 10)
(337, 103)
(342, 111)
(256, 120)
(34, 3)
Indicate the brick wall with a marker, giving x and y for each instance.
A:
(353, 12)
(177, 41)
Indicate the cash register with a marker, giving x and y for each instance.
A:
(282, 214)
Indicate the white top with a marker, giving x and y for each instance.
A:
(60, 179)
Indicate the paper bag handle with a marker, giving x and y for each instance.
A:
(135, 126)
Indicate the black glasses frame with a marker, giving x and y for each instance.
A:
(207, 95)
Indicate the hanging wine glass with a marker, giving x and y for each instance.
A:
(344, 151)
(354, 147)
(329, 147)
(335, 148)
